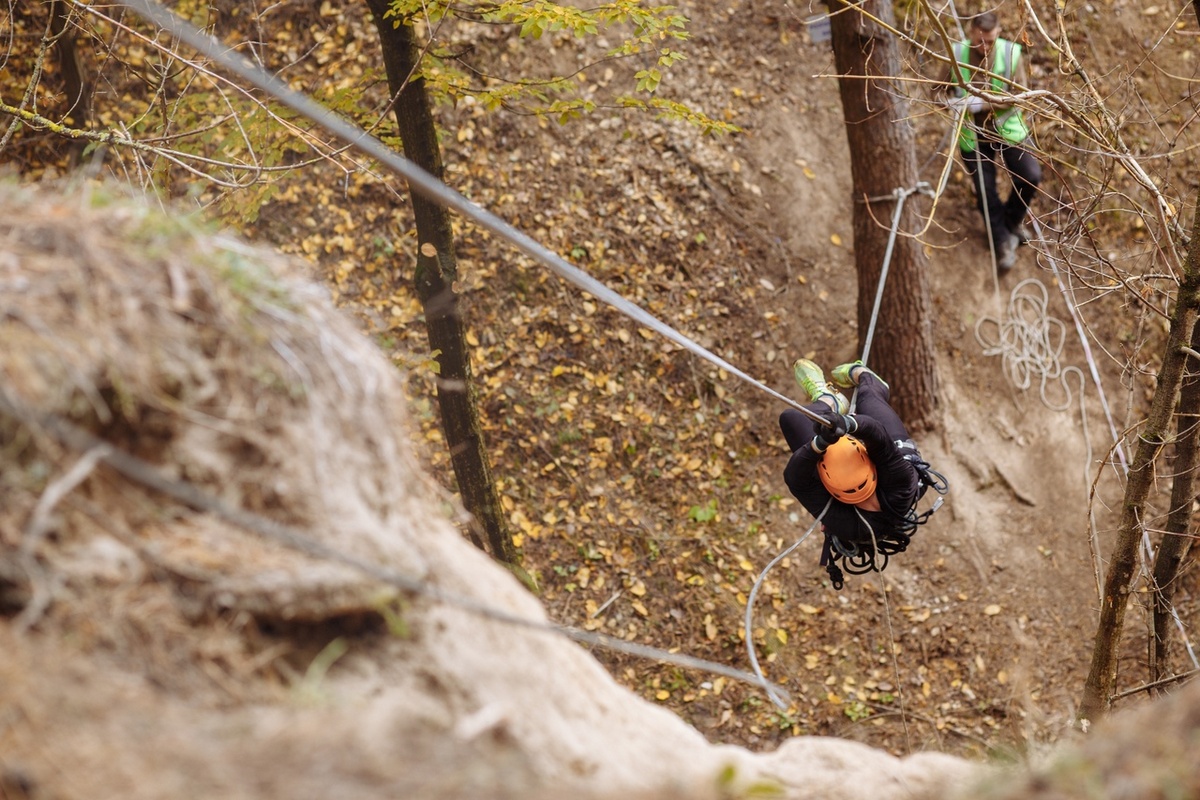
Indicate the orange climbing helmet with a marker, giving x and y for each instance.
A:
(847, 471)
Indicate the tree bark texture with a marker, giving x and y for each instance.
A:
(70, 62)
(76, 85)
(1102, 677)
(882, 160)
(434, 276)
(1176, 542)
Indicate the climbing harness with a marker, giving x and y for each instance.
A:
(861, 557)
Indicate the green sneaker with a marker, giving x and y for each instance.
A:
(848, 375)
(812, 380)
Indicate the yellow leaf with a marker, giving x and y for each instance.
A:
(808, 173)
(662, 694)
(920, 615)
(641, 609)
(811, 660)
(781, 634)
(638, 589)
(926, 690)
(554, 373)
(992, 610)
(746, 565)
(807, 609)
(837, 240)
(472, 339)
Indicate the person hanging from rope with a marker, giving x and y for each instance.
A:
(992, 133)
(861, 471)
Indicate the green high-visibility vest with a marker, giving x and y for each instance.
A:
(1010, 122)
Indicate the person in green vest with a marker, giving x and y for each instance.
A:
(994, 133)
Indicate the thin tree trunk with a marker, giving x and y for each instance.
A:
(882, 160)
(434, 278)
(1102, 678)
(1176, 542)
(75, 83)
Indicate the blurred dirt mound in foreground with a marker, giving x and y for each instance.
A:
(207, 485)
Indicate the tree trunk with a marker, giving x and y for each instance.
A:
(882, 160)
(1176, 542)
(1102, 678)
(76, 86)
(434, 279)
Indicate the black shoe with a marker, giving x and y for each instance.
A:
(1006, 253)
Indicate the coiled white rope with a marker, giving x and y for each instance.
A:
(1030, 343)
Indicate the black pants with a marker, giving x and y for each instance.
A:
(872, 401)
(1003, 216)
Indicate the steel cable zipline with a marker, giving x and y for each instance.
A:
(436, 191)
(423, 183)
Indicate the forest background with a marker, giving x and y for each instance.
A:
(642, 487)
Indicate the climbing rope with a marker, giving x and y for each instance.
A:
(1147, 546)
(899, 195)
(776, 698)
(1026, 343)
(1029, 342)
(192, 496)
(887, 613)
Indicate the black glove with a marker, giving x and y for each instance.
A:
(834, 429)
